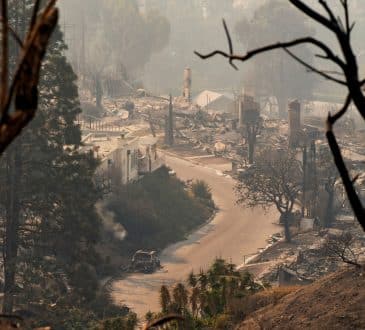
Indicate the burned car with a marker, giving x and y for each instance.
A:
(145, 262)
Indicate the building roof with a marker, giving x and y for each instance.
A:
(206, 97)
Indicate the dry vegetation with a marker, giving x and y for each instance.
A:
(334, 302)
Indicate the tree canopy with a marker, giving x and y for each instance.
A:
(47, 216)
(274, 180)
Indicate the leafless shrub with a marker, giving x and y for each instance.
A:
(342, 247)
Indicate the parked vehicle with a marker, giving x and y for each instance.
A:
(145, 262)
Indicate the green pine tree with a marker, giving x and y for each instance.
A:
(49, 224)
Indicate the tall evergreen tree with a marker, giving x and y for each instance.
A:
(49, 224)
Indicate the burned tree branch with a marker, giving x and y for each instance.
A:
(5, 54)
(314, 15)
(348, 66)
(347, 16)
(14, 35)
(328, 10)
(344, 173)
(279, 45)
(315, 70)
(34, 14)
(333, 118)
(163, 321)
(341, 247)
(24, 87)
(230, 44)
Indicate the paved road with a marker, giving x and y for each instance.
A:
(233, 233)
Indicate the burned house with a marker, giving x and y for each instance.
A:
(148, 158)
(123, 159)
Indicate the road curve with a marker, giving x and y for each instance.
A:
(233, 233)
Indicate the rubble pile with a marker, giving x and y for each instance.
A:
(307, 258)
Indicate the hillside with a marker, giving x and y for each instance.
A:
(334, 302)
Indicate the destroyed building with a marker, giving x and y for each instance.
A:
(148, 158)
(123, 158)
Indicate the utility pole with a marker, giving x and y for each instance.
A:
(169, 125)
(304, 202)
(313, 171)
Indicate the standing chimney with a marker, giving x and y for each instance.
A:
(187, 85)
(240, 111)
(294, 124)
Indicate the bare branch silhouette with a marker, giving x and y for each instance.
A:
(349, 70)
(24, 87)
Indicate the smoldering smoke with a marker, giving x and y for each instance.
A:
(109, 222)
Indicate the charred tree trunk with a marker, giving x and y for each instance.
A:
(98, 91)
(251, 150)
(285, 219)
(10, 252)
(13, 178)
(282, 106)
(252, 131)
(169, 125)
(329, 217)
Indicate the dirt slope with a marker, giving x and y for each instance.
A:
(334, 302)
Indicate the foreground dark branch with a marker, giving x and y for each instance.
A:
(333, 118)
(311, 68)
(346, 179)
(279, 45)
(163, 321)
(24, 88)
(348, 66)
(5, 53)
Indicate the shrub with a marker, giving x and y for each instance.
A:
(157, 211)
(201, 190)
(223, 322)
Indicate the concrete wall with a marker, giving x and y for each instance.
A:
(121, 165)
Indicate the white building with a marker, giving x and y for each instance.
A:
(210, 100)
(149, 160)
(123, 159)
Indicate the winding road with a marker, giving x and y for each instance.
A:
(233, 233)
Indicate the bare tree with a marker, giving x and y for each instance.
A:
(23, 87)
(276, 180)
(253, 129)
(348, 76)
(328, 177)
(342, 247)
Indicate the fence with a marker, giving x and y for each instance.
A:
(99, 126)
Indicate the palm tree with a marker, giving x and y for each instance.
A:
(194, 301)
(192, 280)
(165, 299)
(180, 296)
(203, 280)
